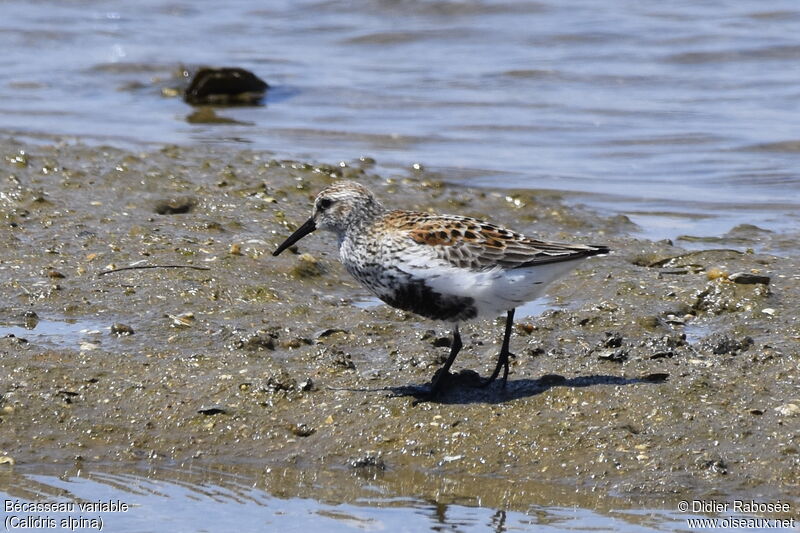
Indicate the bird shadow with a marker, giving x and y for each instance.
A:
(463, 388)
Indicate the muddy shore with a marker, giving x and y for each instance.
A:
(657, 372)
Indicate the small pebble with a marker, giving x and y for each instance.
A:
(715, 273)
(301, 430)
(121, 329)
(183, 319)
(174, 206)
(613, 355)
(442, 342)
(213, 410)
(788, 409)
(308, 267)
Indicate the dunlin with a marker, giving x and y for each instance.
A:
(443, 267)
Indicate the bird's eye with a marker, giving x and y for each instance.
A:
(324, 204)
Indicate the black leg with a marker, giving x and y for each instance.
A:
(502, 358)
(440, 374)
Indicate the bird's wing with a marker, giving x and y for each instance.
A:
(470, 243)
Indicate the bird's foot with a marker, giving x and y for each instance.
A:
(502, 362)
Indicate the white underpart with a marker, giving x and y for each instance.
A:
(494, 291)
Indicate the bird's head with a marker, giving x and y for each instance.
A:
(337, 207)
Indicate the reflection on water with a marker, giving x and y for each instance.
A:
(60, 333)
(674, 108)
(198, 499)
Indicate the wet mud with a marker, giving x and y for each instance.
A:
(656, 372)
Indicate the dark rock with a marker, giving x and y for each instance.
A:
(656, 377)
(342, 360)
(613, 340)
(280, 381)
(587, 320)
(30, 320)
(745, 278)
(301, 430)
(306, 385)
(663, 355)
(121, 329)
(213, 410)
(258, 341)
(442, 342)
(722, 343)
(296, 342)
(664, 346)
(613, 355)
(328, 332)
(175, 206)
(68, 395)
(225, 86)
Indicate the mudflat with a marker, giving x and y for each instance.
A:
(655, 372)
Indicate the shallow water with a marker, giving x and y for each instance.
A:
(678, 114)
(172, 500)
(55, 333)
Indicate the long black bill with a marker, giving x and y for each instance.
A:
(301, 232)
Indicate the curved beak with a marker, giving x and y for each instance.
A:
(301, 232)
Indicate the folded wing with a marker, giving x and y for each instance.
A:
(466, 242)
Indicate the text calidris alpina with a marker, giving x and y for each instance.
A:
(443, 267)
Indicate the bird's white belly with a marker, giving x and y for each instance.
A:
(498, 290)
